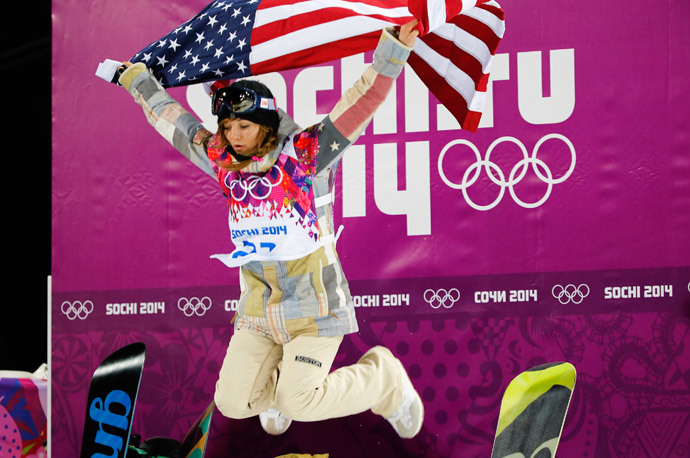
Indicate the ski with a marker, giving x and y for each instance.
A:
(110, 404)
(533, 411)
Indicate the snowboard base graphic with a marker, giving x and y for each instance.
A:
(533, 411)
(110, 407)
(110, 403)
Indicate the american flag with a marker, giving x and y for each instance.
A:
(235, 39)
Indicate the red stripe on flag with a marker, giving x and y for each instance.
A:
(482, 83)
(303, 21)
(495, 10)
(471, 122)
(479, 30)
(464, 61)
(445, 93)
(318, 54)
(441, 88)
(454, 7)
(419, 9)
(388, 4)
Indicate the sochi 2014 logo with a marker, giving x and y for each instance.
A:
(570, 294)
(252, 185)
(76, 309)
(516, 174)
(194, 305)
(441, 297)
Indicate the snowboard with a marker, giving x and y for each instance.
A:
(110, 403)
(193, 445)
(533, 411)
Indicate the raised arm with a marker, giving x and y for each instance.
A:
(357, 106)
(181, 129)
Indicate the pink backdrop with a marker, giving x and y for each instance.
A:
(597, 95)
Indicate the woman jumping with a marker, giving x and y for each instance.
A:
(295, 303)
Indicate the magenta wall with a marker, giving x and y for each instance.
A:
(607, 211)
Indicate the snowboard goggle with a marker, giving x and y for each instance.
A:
(233, 100)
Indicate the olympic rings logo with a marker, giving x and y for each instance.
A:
(248, 185)
(194, 305)
(570, 293)
(516, 175)
(441, 297)
(77, 309)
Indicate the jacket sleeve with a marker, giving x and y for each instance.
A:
(357, 106)
(167, 116)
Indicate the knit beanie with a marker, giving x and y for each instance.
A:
(268, 118)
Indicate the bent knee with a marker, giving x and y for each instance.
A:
(230, 406)
(295, 403)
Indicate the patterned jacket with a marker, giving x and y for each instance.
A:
(309, 295)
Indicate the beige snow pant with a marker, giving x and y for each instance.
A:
(304, 389)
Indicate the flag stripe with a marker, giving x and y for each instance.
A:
(466, 6)
(460, 81)
(251, 37)
(461, 59)
(492, 6)
(490, 16)
(444, 93)
(437, 13)
(316, 35)
(441, 11)
(434, 80)
(466, 42)
(317, 55)
(386, 4)
(478, 30)
(295, 23)
(456, 59)
(271, 12)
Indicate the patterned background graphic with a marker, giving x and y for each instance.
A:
(632, 396)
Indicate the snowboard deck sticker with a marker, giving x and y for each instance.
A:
(533, 411)
(111, 401)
